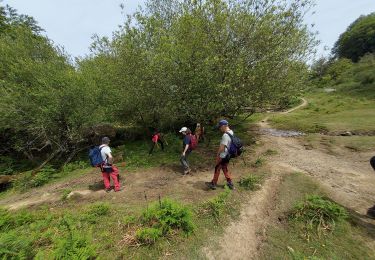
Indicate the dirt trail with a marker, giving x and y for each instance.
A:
(348, 178)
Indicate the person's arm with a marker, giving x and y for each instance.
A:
(109, 158)
(185, 150)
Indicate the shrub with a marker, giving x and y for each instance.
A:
(168, 215)
(74, 166)
(250, 182)
(148, 235)
(317, 213)
(10, 220)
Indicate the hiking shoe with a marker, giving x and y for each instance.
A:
(108, 190)
(211, 185)
(118, 190)
(230, 185)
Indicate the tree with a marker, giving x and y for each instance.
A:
(357, 40)
(192, 61)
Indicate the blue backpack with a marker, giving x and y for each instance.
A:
(95, 156)
(236, 147)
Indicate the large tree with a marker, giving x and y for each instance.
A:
(357, 40)
(188, 61)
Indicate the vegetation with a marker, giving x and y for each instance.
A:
(302, 209)
(357, 40)
(159, 70)
(251, 182)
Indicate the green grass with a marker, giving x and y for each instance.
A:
(290, 239)
(330, 112)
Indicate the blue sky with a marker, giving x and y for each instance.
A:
(71, 23)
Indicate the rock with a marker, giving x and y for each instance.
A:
(347, 133)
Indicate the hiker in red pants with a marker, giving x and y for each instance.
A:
(223, 157)
(108, 169)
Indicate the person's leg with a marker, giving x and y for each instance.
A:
(227, 174)
(107, 183)
(152, 148)
(115, 179)
(185, 163)
(215, 179)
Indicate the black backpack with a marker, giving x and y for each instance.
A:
(236, 147)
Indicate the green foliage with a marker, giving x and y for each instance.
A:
(172, 61)
(65, 194)
(357, 40)
(318, 214)
(79, 165)
(217, 206)
(74, 245)
(16, 246)
(168, 216)
(95, 212)
(148, 235)
(250, 182)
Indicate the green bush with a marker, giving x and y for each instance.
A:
(65, 194)
(95, 211)
(250, 182)
(168, 215)
(28, 180)
(148, 235)
(74, 166)
(317, 213)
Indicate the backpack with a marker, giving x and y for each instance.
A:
(236, 147)
(193, 142)
(95, 156)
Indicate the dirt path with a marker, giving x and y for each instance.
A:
(348, 178)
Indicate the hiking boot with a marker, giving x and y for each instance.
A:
(186, 172)
(211, 185)
(108, 190)
(230, 185)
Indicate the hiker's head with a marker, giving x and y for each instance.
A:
(185, 131)
(223, 125)
(105, 140)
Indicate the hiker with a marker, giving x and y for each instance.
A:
(108, 169)
(188, 144)
(156, 138)
(199, 132)
(223, 156)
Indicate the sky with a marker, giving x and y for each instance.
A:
(72, 23)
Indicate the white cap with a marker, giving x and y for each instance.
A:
(184, 129)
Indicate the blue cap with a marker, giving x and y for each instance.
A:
(222, 122)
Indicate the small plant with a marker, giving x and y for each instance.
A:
(168, 215)
(74, 166)
(259, 162)
(250, 182)
(216, 206)
(128, 220)
(317, 213)
(148, 235)
(65, 194)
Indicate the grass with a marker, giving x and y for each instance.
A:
(352, 143)
(303, 210)
(330, 112)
